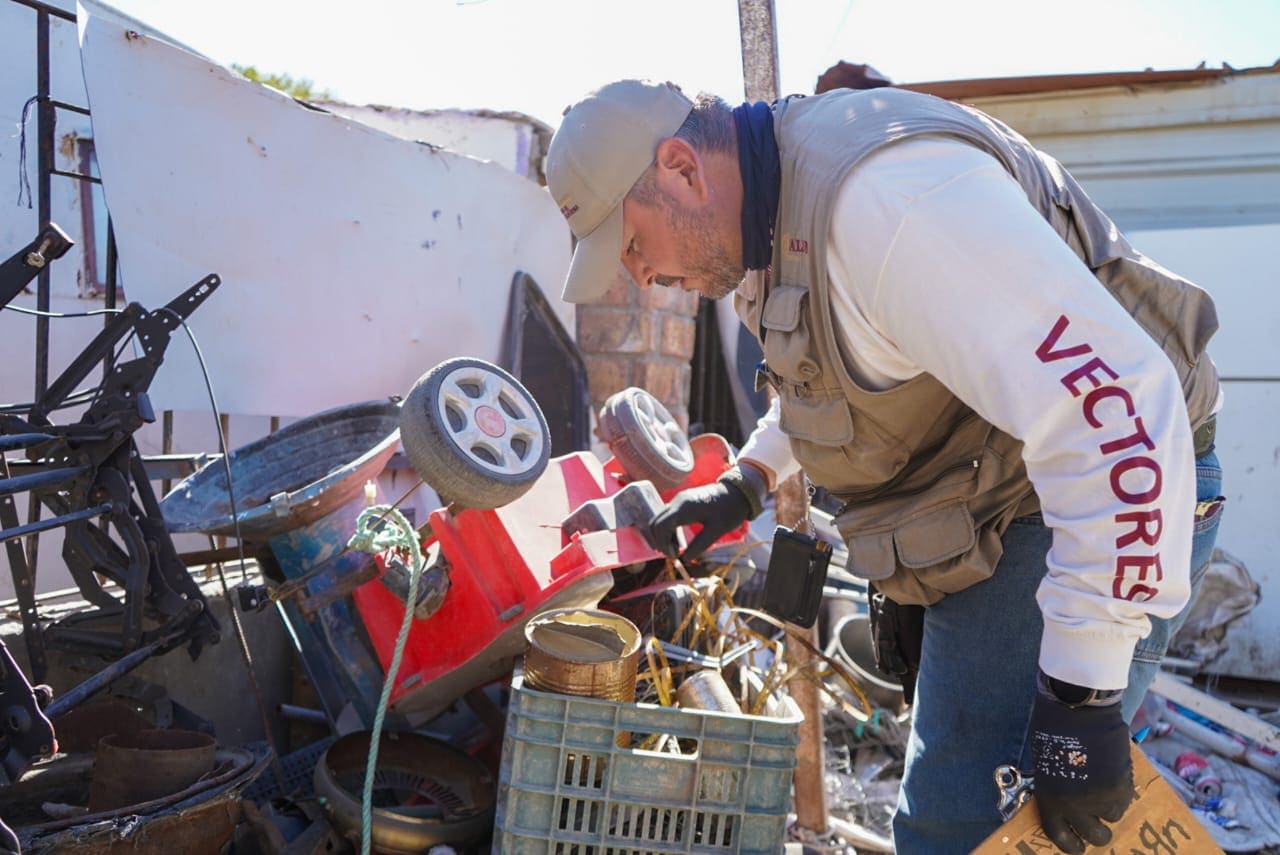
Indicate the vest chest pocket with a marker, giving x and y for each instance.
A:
(824, 419)
(810, 412)
(838, 445)
(786, 337)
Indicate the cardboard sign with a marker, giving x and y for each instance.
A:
(1157, 823)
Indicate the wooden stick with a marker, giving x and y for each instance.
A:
(791, 507)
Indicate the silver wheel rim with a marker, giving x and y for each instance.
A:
(662, 431)
(491, 421)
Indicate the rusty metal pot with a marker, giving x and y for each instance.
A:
(129, 768)
(585, 652)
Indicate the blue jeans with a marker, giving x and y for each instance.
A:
(977, 684)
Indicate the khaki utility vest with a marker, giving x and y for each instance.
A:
(929, 486)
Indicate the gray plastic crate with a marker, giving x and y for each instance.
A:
(570, 784)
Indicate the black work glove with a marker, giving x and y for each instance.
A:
(1083, 772)
(719, 508)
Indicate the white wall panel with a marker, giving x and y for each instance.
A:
(507, 139)
(1249, 448)
(1240, 267)
(352, 261)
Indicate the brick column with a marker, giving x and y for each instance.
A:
(639, 338)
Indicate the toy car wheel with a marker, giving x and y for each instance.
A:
(474, 433)
(646, 439)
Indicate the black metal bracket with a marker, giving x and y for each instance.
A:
(25, 265)
(25, 731)
(91, 476)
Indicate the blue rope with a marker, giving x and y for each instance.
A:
(396, 534)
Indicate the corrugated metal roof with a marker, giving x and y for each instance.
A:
(993, 86)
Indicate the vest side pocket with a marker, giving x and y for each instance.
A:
(872, 556)
(974, 565)
(939, 551)
(921, 541)
(936, 535)
(938, 538)
(945, 550)
(876, 558)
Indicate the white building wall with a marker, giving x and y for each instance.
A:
(514, 141)
(1191, 173)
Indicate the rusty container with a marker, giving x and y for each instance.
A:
(133, 768)
(707, 690)
(585, 652)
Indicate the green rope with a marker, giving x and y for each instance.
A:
(396, 534)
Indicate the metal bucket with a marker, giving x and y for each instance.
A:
(851, 646)
(129, 769)
(585, 652)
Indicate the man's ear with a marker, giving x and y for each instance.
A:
(681, 170)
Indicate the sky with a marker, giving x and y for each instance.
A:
(539, 56)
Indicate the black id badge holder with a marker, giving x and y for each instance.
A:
(797, 571)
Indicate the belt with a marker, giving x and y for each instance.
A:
(1202, 437)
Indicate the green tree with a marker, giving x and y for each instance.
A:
(300, 88)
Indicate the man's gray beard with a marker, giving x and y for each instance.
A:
(719, 288)
(702, 256)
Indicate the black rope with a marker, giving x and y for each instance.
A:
(24, 183)
(243, 641)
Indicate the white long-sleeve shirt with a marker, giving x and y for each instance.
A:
(939, 264)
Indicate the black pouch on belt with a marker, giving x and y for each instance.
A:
(795, 576)
(897, 634)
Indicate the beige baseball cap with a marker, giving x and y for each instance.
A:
(604, 144)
